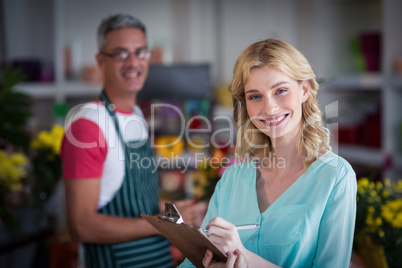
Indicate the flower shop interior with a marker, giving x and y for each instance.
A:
(47, 56)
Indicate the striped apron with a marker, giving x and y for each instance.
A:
(138, 194)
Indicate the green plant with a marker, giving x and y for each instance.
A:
(12, 171)
(379, 215)
(15, 110)
(46, 163)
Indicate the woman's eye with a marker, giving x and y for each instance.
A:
(280, 91)
(254, 97)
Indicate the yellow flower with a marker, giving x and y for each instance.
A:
(57, 133)
(12, 170)
(360, 190)
(385, 193)
(363, 182)
(392, 212)
(200, 181)
(398, 220)
(371, 209)
(19, 159)
(45, 138)
(169, 146)
(378, 185)
(369, 219)
(398, 186)
(49, 140)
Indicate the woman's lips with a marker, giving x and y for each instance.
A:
(274, 121)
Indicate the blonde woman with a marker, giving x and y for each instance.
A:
(302, 195)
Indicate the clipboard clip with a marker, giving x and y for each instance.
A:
(172, 214)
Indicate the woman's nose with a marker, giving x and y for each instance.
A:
(270, 106)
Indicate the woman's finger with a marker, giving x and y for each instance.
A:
(231, 260)
(240, 260)
(207, 258)
(208, 262)
(221, 223)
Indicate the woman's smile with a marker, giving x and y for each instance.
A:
(274, 121)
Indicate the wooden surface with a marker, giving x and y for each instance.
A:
(189, 240)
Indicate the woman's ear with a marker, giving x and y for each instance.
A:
(305, 87)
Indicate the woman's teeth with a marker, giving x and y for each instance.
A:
(275, 120)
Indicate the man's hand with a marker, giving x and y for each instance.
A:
(192, 213)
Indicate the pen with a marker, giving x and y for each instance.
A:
(241, 227)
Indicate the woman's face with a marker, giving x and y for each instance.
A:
(274, 102)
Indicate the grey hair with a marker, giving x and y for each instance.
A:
(115, 22)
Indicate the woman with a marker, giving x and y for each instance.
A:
(290, 183)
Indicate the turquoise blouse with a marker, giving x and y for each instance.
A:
(310, 225)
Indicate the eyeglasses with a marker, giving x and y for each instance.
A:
(141, 53)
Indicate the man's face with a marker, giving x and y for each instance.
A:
(126, 75)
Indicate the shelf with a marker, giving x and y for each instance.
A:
(362, 155)
(37, 90)
(369, 81)
(78, 89)
(53, 90)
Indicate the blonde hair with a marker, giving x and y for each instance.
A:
(287, 59)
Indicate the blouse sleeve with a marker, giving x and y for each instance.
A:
(335, 238)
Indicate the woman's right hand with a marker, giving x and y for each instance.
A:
(235, 260)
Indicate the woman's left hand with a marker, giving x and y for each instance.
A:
(224, 235)
(235, 260)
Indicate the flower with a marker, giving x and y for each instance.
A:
(200, 183)
(169, 146)
(46, 163)
(210, 170)
(49, 140)
(392, 213)
(379, 215)
(12, 170)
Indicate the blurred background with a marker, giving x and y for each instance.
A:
(47, 56)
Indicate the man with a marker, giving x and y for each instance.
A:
(105, 192)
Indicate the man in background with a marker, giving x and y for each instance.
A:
(105, 192)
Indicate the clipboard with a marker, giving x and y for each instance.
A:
(189, 240)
